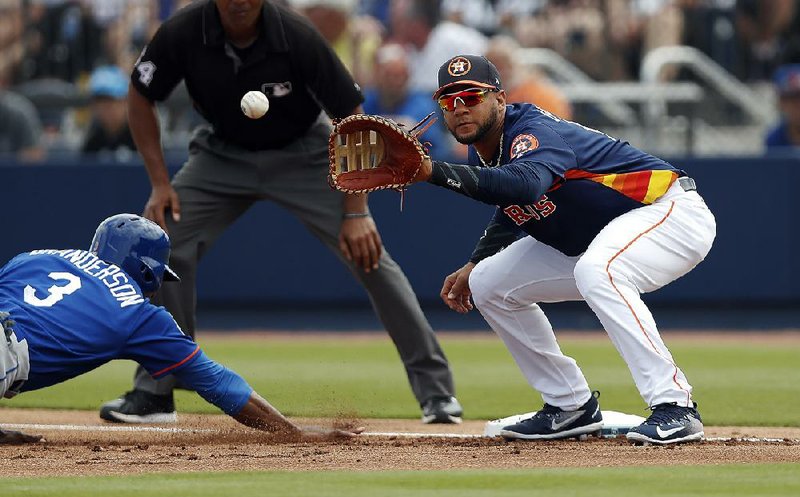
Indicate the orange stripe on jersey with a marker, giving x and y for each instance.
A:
(659, 185)
(637, 185)
(642, 186)
(578, 174)
(170, 368)
(619, 182)
(608, 180)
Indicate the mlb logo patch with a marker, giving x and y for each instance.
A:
(277, 90)
(523, 144)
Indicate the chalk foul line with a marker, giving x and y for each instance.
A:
(160, 429)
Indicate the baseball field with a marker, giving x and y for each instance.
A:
(746, 385)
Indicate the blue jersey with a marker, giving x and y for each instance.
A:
(562, 182)
(77, 312)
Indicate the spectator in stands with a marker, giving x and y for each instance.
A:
(787, 132)
(764, 27)
(489, 16)
(11, 41)
(576, 29)
(391, 97)
(108, 130)
(524, 84)
(126, 25)
(377, 9)
(64, 40)
(635, 27)
(20, 128)
(416, 24)
(354, 38)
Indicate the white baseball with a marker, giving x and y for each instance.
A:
(254, 104)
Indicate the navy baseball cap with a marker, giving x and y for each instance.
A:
(468, 70)
(787, 79)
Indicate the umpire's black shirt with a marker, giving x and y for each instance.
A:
(290, 62)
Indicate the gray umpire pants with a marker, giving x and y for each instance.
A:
(219, 182)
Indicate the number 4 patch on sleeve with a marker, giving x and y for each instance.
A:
(146, 70)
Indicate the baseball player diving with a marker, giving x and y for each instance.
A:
(66, 312)
(580, 216)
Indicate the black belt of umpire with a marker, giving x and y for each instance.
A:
(687, 184)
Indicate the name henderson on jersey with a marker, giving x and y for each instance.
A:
(111, 275)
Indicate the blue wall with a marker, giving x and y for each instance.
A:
(267, 257)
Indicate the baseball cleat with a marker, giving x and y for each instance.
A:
(138, 406)
(552, 422)
(669, 423)
(442, 410)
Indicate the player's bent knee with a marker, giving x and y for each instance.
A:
(489, 289)
(481, 285)
(590, 274)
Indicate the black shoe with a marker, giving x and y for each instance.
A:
(444, 410)
(138, 406)
(553, 422)
(669, 423)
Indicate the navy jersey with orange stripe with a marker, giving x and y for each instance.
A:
(562, 182)
(77, 312)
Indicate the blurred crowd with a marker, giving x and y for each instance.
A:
(64, 64)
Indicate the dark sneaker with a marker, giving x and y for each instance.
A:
(444, 410)
(138, 406)
(553, 422)
(669, 423)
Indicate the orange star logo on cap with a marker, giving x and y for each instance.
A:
(459, 66)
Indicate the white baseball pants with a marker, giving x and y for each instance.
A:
(638, 252)
(14, 363)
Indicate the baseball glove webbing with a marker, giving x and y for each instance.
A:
(369, 153)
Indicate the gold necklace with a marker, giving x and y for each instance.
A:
(499, 155)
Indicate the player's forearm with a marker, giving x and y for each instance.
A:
(231, 393)
(355, 203)
(261, 415)
(143, 121)
(215, 383)
(516, 183)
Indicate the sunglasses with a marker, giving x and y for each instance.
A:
(469, 98)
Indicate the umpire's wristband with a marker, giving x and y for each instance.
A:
(355, 215)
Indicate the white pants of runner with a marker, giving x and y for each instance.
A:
(638, 252)
(14, 363)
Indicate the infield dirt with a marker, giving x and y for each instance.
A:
(231, 447)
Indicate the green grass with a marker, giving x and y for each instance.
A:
(748, 383)
(677, 481)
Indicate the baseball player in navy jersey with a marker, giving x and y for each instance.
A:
(66, 312)
(580, 216)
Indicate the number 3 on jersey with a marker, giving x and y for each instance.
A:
(56, 292)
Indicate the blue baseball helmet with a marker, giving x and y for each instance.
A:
(138, 246)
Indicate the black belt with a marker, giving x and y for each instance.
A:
(687, 184)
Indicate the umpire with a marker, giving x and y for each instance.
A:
(223, 49)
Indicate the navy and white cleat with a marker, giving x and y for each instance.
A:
(553, 422)
(669, 423)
